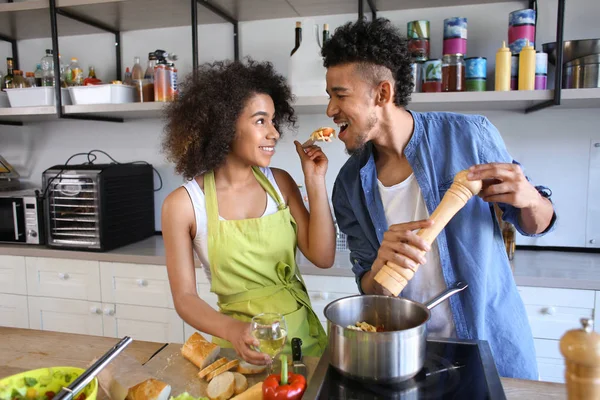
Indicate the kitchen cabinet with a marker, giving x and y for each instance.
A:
(65, 315)
(63, 278)
(151, 324)
(13, 311)
(13, 278)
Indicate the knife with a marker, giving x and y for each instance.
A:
(298, 365)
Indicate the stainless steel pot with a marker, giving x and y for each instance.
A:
(582, 72)
(572, 49)
(392, 356)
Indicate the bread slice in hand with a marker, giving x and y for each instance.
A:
(222, 387)
(150, 389)
(254, 393)
(199, 351)
(241, 383)
(226, 367)
(221, 361)
(250, 369)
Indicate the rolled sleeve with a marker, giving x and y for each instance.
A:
(493, 149)
(361, 253)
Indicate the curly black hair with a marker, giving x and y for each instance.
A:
(373, 43)
(200, 124)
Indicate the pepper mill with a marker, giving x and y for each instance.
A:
(455, 198)
(581, 349)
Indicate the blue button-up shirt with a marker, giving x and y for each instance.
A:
(471, 246)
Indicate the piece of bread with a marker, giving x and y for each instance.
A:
(212, 367)
(250, 369)
(222, 387)
(254, 393)
(241, 383)
(150, 389)
(199, 351)
(223, 368)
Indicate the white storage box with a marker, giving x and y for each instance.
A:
(102, 94)
(4, 100)
(36, 96)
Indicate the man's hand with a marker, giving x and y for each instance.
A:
(505, 183)
(401, 246)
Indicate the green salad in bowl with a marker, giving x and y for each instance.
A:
(44, 383)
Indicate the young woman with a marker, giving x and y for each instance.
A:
(243, 219)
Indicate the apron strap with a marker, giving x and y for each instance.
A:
(210, 197)
(269, 188)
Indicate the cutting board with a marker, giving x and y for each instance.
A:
(170, 367)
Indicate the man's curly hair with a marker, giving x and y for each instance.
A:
(200, 124)
(377, 43)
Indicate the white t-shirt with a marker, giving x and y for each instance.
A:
(404, 203)
(200, 242)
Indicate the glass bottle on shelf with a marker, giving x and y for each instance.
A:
(306, 73)
(47, 64)
(39, 74)
(30, 78)
(325, 34)
(7, 82)
(298, 39)
(92, 72)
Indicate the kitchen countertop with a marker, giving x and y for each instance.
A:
(26, 349)
(554, 269)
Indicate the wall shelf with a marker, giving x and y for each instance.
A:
(474, 101)
(125, 111)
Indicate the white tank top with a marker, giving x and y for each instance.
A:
(200, 242)
(404, 203)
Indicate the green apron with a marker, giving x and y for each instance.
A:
(253, 269)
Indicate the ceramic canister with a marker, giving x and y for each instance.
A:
(431, 73)
(541, 70)
(418, 39)
(521, 27)
(416, 69)
(514, 72)
(476, 74)
(455, 36)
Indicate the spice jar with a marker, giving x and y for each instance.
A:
(418, 39)
(453, 73)
(432, 76)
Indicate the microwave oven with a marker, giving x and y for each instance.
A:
(21, 217)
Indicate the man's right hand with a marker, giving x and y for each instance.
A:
(403, 247)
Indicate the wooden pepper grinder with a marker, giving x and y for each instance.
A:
(455, 198)
(581, 349)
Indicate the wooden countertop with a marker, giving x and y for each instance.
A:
(554, 269)
(26, 349)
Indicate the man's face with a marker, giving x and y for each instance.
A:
(352, 106)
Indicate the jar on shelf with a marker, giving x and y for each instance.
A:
(431, 73)
(418, 40)
(453, 73)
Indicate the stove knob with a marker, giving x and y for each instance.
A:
(32, 233)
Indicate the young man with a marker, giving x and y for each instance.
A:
(401, 165)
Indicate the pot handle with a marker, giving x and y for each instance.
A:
(457, 287)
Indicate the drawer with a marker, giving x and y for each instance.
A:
(550, 322)
(545, 348)
(63, 278)
(557, 297)
(135, 284)
(13, 275)
(201, 276)
(551, 370)
(63, 315)
(14, 312)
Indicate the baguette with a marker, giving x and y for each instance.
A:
(150, 389)
(250, 369)
(231, 364)
(222, 387)
(254, 393)
(212, 367)
(241, 383)
(199, 351)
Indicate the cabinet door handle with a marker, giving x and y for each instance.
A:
(549, 310)
(95, 310)
(109, 311)
(63, 276)
(142, 282)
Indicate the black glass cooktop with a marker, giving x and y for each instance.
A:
(452, 370)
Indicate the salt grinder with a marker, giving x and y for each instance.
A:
(581, 349)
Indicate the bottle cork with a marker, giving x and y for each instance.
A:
(581, 349)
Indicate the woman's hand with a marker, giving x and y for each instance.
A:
(241, 339)
(314, 161)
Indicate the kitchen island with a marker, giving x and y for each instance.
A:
(26, 349)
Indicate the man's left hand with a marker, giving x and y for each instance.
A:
(505, 183)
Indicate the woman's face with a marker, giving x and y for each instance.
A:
(256, 135)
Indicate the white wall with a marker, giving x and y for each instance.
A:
(552, 144)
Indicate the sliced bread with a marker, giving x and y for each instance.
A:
(250, 369)
(151, 389)
(221, 361)
(226, 367)
(199, 351)
(222, 387)
(241, 383)
(254, 393)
